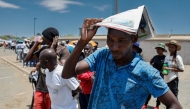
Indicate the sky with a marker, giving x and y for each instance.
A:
(17, 16)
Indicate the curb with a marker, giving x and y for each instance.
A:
(17, 67)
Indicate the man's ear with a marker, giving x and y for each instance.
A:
(135, 38)
(46, 61)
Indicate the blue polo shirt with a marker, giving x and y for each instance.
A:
(125, 87)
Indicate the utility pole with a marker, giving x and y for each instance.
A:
(116, 6)
(34, 26)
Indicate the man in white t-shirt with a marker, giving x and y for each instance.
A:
(25, 52)
(19, 50)
(60, 89)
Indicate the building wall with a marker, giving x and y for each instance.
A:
(148, 45)
(149, 50)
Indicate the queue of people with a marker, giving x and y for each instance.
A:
(100, 77)
(112, 77)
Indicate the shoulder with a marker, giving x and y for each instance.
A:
(145, 69)
(178, 57)
(62, 50)
(58, 70)
(167, 56)
(102, 51)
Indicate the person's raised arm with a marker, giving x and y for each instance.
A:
(30, 54)
(170, 101)
(72, 68)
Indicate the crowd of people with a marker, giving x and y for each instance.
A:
(112, 77)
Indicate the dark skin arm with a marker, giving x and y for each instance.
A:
(79, 89)
(173, 69)
(170, 101)
(72, 68)
(53, 46)
(30, 54)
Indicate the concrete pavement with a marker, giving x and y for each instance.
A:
(16, 91)
(184, 88)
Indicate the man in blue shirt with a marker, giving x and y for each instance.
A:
(123, 80)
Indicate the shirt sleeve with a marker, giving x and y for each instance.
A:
(155, 84)
(179, 61)
(93, 58)
(85, 76)
(72, 83)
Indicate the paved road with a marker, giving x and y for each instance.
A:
(16, 91)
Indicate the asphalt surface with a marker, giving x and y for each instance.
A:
(16, 91)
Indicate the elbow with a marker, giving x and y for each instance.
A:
(64, 76)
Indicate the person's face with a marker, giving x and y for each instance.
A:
(87, 50)
(159, 50)
(172, 48)
(119, 43)
(43, 62)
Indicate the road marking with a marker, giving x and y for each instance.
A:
(6, 77)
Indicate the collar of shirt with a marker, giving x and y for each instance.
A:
(135, 60)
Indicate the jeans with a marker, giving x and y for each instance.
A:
(33, 63)
(173, 85)
(24, 63)
(19, 55)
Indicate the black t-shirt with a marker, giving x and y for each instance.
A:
(41, 82)
(157, 62)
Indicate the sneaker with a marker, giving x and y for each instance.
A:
(156, 107)
(144, 106)
(24, 66)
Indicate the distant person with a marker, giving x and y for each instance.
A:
(32, 61)
(60, 89)
(123, 80)
(25, 52)
(85, 81)
(136, 48)
(4, 46)
(19, 50)
(175, 65)
(96, 47)
(13, 44)
(70, 48)
(157, 62)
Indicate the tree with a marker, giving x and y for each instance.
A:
(69, 35)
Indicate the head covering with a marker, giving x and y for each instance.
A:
(137, 44)
(161, 45)
(134, 22)
(174, 42)
(50, 33)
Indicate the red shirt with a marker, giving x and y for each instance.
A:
(86, 83)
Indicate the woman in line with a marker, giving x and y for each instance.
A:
(175, 65)
(157, 62)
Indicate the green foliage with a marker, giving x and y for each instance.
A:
(8, 37)
(69, 35)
